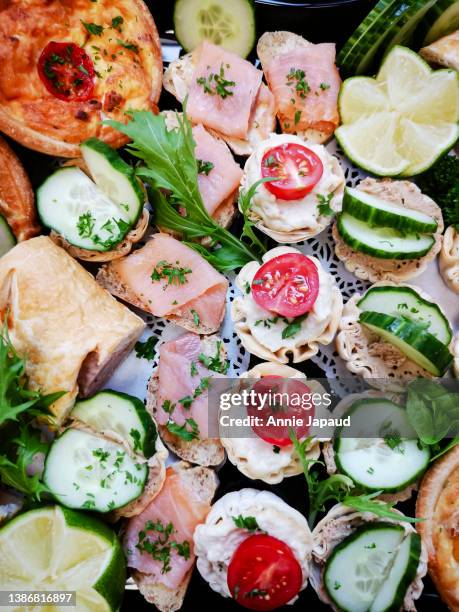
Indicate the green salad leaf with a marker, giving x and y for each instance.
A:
(367, 503)
(171, 170)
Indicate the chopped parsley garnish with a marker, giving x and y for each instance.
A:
(217, 84)
(336, 586)
(186, 401)
(188, 431)
(161, 545)
(117, 23)
(128, 45)
(196, 319)
(204, 167)
(324, 205)
(294, 327)
(100, 454)
(371, 470)
(215, 363)
(85, 225)
(246, 522)
(193, 369)
(256, 593)
(146, 350)
(324, 86)
(168, 406)
(135, 435)
(175, 275)
(296, 77)
(271, 162)
(297, 117)
(93, 28)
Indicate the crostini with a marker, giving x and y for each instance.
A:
(449, 258)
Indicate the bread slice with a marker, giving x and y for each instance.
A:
(203, 481)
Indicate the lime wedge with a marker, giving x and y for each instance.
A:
(56, 549)
(370, 143)
(401, 122)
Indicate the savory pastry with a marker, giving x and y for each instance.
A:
(123, 420)
(265, 455)
(392, 334)
(73, 332)
(69, 65)
(167, 526)
(225, 94)
(301, 203)
(16, 195)
(437, 506)
(444, 52)
(353, 565)
(169, 279)
(384, 455)
(388, 230)
(289, 306)
(94, 206)
(254, 545)
(449, 258)
(219, 175)
(305, 82)
(177, 396)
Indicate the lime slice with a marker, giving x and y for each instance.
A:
(361, 96)
(371, 143)
(423, 144)
(401, 122)
(56, 549)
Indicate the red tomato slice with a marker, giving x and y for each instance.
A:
(299, 169)
(287, 395)
(263, 573)
(287, 284)
(67, 71)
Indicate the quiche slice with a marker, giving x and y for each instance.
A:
(68, 65)
(438, 504)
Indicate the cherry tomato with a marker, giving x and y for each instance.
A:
(299, 169)
(287, 284)
(289, 401)
(263, 573)
(67, 71)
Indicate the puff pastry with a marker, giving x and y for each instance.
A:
(72, 332)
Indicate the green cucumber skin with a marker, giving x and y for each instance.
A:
(151, 435)
(114, 159)
(375, 217)
(410, 573)
(403, 290)
(377, 526)
(410, 333)
(379, 253)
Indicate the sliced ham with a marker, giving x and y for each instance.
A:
(175, 381)
(225, 176)
(228, 115)
(201, 295)
(318, 109)
(179, 504)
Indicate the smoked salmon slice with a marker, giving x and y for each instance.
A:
(169, 279)
(165, 529)
(305, 83)
(223, 90)
(220, 180)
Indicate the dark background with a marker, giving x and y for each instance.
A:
(318, 21)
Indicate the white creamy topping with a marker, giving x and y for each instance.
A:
(284, 215)
(217, 539)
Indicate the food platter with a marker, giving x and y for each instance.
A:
(153, 366)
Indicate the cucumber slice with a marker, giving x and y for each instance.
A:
(384, 454)
(88, 472)
(72, 205)
(359, 565)
(378, 212)
(228, 24)
(114, 177)
(7, 239)
(405, 301)
(390, 22)
(401, 575)
(122, 414)
(382, 242)
(412, 339)
(446, 23)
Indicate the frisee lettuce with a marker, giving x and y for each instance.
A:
(169, 167)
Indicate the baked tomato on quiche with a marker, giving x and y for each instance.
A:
(68, 65)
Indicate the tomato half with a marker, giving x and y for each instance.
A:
(287, 395)
(67, 71)
(299, 169)
(287, 284)
(263, 573)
